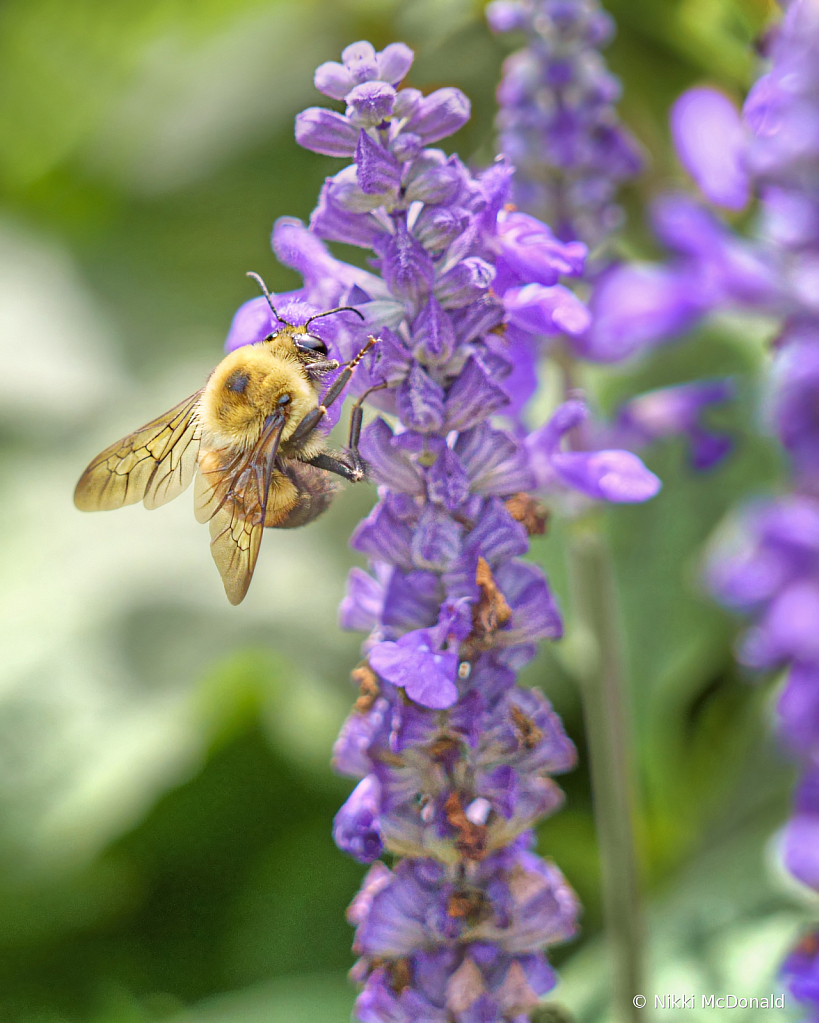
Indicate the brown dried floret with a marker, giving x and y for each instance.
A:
(532, 514)
(368, 687)
(471, 840)
(529, 735)
(491, 611)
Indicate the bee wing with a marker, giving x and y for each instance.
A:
(232, 492)
(153, 464)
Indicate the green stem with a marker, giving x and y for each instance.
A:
(605, 707)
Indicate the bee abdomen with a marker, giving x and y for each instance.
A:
(315, 490)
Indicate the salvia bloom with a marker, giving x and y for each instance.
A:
(558, 125)
(769, 567)
(558, 121)
(454, 760)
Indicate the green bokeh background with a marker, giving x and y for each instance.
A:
(165, 795)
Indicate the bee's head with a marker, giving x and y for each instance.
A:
(309, 346)
(298, 340)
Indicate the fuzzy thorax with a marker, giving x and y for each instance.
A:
(247, 386)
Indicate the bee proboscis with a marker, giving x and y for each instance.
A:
(249, 438)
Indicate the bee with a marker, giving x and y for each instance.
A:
(250, 439)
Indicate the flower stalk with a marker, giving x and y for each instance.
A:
(606, 712)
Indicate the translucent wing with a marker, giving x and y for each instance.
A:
(154, 464)
(232, 491)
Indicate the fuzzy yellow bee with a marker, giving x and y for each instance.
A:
(250, 439)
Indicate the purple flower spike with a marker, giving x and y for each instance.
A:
(710, 141)
(557, 122)
(454, 760)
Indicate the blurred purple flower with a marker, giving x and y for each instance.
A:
(711, 141)
(674, 411)
(557, 121)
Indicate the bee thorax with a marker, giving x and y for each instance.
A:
(246, 389)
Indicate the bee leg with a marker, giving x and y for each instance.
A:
(324, 366)
(335, 465)
(313, 418)
(357, 463)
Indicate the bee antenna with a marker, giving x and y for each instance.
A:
(341, 309)
(266, 294)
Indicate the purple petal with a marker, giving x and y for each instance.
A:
(542, 310)
(334, 224)
(411, 600)
(420, 401)
(432, 334)
(355, 828)
(440, 114)
(426, 675)
(473, 397)
(384, 537)
(361, 607)
(407, 268)
(326, 132)
(466, 282)
(789, 628)
(251, 323)
(370, 104)
(506, 16)
(798, 710)
(535, 614)
(377, 170)
(636, 305)
(356, 736)
(394, 62)
(433, 178)
(532, 252)
(333, 79)
(447, 481)
(437, 539)
(494, 461)
(496, 536)
(361, 61)
(801, 848)
(617, 476)
(710, 140)
(388, 463)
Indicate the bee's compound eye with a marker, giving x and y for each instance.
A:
(310, 343)
(283, 399)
